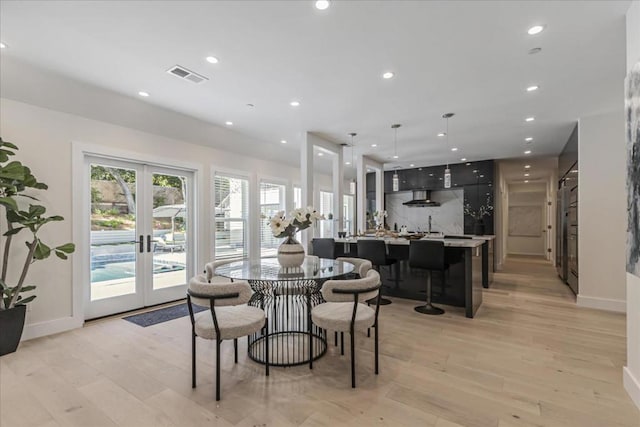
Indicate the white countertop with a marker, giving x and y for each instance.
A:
(455, 243)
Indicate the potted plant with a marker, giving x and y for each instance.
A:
(16, 181)
(478, 215)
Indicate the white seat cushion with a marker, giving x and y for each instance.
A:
(234, 322)
(336, 316)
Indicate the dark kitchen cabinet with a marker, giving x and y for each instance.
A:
(432, 177)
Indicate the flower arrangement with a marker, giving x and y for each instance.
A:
(299, 219)
(483, 210)
(379, 217)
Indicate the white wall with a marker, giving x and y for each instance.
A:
(632, 370)
(602, 211)
(525, 195)
(45, 139)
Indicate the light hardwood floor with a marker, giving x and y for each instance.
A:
(529, 358)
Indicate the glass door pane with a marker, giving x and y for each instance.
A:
(115, 259)
(170, 224)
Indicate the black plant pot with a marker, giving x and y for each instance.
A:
(11, 325)
(478, 228)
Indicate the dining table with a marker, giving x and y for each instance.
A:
(287, 295)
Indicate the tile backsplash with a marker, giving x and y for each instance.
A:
(448, 218)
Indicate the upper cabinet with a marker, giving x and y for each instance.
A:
(432, 178)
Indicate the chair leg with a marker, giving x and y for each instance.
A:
(335, 335)
(353, 359)
(368, 332)
(341, 343)
(235, 350)
(217, 369)
(266, 345)
(429, 308)
(375, 351)
(310, 331)
(193, 360)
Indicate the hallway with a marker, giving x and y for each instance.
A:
(529, 358)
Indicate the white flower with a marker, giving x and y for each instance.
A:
(299, 214)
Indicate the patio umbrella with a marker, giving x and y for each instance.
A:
(170, 211)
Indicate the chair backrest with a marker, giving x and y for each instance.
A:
(324, 248)
(371, 280)
(373, 250)
(362, 265)
(427, 254)
(199, 285)
(210, 267)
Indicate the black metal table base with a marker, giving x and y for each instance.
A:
(288, 307)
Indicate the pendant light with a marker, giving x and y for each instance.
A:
(447, 171)
(352, 183)
(395, 180)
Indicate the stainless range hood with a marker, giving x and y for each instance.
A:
(421, 198)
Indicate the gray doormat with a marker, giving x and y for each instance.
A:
(162, 315)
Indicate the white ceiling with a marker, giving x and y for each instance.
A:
(467, 57)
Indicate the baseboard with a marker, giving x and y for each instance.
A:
(632, 385)
(41, 329)
(607, 304)
(542, 254)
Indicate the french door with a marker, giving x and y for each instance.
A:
(140, 235)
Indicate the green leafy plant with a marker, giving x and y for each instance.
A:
(16, 180)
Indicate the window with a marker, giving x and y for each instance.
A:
(272, 200)
(231, 206)
(348, 213)
(297, 197)
(326, 209)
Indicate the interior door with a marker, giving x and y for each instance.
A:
(140, 235)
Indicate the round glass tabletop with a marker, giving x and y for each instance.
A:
(313, 268)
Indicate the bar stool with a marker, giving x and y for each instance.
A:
(324, 248)
(428, 255)
(376, 252)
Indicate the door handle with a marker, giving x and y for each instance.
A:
(141, 242)
(148, 243)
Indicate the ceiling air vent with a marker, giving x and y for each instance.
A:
(185, 74)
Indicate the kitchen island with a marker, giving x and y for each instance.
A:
(462, 281)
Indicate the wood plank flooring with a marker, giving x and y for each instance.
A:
(529, 358)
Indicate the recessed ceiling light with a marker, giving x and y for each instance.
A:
(388, 75)
(463, 159)
(322, 4)
(527, 152)
(533, 88)
(536, 29)
(228, 123)
(320, 154)
(142, 93)
(3, 46)
(454, 149)
(212, 59)
(526, 181)
(347, 163)
(411, 165)
(574, 171)
(395, 156)
(374, 145)
(295, 103)
(283, 141)
(528, 139)
(468, 164)
(529, 119)
(442, 134)
(527, 166)
(526, 174)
